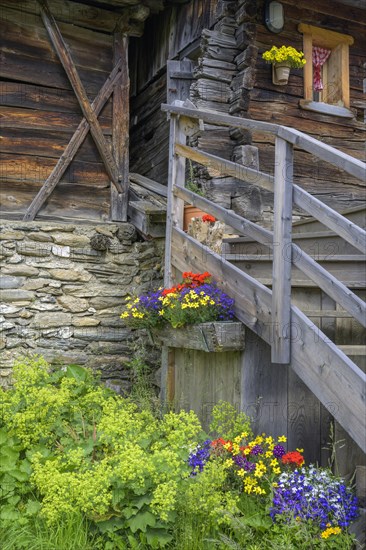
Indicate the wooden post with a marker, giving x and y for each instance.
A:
(175, 206)
(120, 130)
(174, 218)
(282, 257)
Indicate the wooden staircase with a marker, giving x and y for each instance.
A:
(266, 272)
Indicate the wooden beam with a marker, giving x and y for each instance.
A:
(226, 167)
(72, 147)
(281, 268)
(212, 117)
(149, 184)
(71, 71)
(325, 152)
(121, 128)
(333, 378)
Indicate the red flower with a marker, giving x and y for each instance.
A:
(208, 218)
(293, 457)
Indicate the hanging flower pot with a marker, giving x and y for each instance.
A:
(280, 73)
(282, 59)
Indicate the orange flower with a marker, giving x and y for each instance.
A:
(293, 457)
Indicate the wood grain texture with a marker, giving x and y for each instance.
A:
(72, 147)
(72, 73)
(120, 130)
(282, 256)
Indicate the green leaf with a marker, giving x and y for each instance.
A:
(110, 525)
(9, 452)
(140, 521)
(6, 464)
(8, 513)
(14, 500)
(3, 436)
(18, 475)
(75, 371)
(157, 538)
(139, 502)
(33, 507)
(25, 466)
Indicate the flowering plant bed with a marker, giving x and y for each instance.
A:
(195, 300)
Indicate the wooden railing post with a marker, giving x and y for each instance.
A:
(176, 177)
(174, 218)
(281, 275)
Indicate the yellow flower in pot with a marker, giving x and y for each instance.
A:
(282, 60)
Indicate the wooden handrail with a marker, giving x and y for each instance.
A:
(352, 166)
(350, 232)
(320, 276)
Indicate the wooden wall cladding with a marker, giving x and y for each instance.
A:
(280, 104)
(39, 111)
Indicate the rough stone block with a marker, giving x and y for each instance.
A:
(72, 304)
(52, 319)
(9, 281)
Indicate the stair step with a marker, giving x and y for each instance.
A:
(320, 242)
(350, 269)
(352, 350)
(353, 258)
(329, 313)
(357, 215)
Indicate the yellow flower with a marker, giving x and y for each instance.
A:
(282, 438)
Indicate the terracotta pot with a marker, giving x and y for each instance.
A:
(189, 213)
(281, 73)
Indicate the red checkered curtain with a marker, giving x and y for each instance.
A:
(320, 55)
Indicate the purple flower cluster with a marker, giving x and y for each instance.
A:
(224, 305)
(313, 494)
(243, 463)
(279, 451)
(256, 450)
(198, 459)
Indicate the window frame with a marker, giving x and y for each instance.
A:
(331, 40)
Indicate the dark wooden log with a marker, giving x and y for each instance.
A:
(120, 130)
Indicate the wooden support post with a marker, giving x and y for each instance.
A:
(282, 256)
(73, 76)
(174, 218)
(175, 206)
(120, 130)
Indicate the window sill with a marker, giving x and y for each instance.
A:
(325, 109)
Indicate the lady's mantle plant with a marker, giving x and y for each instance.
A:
(285, 54)
(195, 300)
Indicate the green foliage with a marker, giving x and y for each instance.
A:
(228, 422)
(69, 445)
(82, 468)
(71, 533)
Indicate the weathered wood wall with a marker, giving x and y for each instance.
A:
(39, 113)
(173, 34)
(280, 104)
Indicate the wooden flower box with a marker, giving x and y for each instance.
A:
(210, 337)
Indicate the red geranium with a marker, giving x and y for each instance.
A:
(293, 457)
(208, 218)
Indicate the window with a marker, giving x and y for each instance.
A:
(326, 73)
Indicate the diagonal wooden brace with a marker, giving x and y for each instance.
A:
(71, 71)
(73, 146)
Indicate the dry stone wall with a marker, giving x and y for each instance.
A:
(61, 293)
